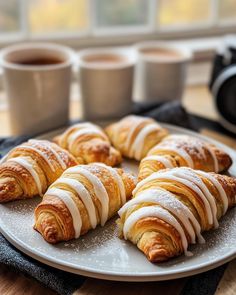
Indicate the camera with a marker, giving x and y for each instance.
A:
(223, 83)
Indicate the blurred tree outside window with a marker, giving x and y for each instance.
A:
(182, 12)
(57, 15)
(227, 9)
(9, 16)
(121, 13)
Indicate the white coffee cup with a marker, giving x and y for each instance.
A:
(160, 72)
(37, 79)
(106, 82)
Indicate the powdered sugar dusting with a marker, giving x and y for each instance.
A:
(102, 251)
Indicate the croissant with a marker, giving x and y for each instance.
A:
(183, 150)
(28, 169)
(88, 143)
(83, 197)
(171, 208)
(134, 136)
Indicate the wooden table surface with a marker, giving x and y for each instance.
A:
(196, 100)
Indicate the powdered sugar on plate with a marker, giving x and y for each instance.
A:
(100, 253)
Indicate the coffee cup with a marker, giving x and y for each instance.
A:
(106, 82)
(37, 78)
(160, 73)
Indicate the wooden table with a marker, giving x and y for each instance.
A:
(197, 100)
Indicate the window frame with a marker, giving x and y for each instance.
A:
(94, 36)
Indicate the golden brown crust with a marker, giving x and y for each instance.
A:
(198, 150)
(224, 159)
(157, 238)
(156, 245)
(54, 220)
(124, 132)
(17, 182)
(229, 185)
(52, 217)
(90, 147)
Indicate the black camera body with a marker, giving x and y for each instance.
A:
(223, 86)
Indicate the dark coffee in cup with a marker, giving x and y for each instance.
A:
(104, 58)
(160, 71)
(37, 79)
(40, 61)
(162, 53)
(106, 82)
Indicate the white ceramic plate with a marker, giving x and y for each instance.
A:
(101, 254)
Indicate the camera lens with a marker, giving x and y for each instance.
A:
(226, 100)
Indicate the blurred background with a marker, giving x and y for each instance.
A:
(197, 24)
(80, 19)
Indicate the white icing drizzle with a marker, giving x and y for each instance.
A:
(93, 130)
(131, 132)
(169, 175)
(74, 127)
(162, 159)
(81, 125)
(218, 186)
(118, 180)
(41, 153)
(200, 148)
(55, 153)
(84, 195)
(197, 143)
(115, 133)
(98, 187)
(4, 159)
(168, 201)
(23, 162)
(137, 146)
(176, 150)
(179, 137)
(193, 177)
(67, 199)
(213, 155)
(158, 212)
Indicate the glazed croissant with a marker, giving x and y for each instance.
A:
(171, 208)
(183, 150)
(134, 136)
(88, 143)
(28, 169)
(83, 197)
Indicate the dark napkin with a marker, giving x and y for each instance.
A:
(66, 283)
(60, 281)
(171, 113)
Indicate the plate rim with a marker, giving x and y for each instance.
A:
(116, 275)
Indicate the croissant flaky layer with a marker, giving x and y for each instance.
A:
(30, 168)
(134, 136)
(181, 150)
(89, 144)
(83, 197)
(171, 208)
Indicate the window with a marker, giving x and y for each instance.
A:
(183, 13)
(53, 16)
(9, 16)
(227, 10)
(32, 19)
(121, 13)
